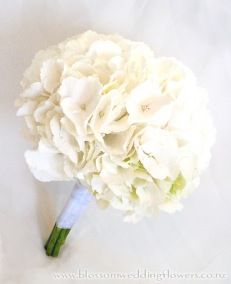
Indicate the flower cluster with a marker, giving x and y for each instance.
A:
(132, 127)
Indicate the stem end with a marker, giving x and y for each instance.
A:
(56, 240)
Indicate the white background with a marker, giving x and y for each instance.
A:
(197, 32)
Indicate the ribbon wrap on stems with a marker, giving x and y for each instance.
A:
(75, 206)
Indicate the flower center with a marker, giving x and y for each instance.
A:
(145, 108)
(83, 107)
(101, 114)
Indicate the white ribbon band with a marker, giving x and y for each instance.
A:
(78, 201)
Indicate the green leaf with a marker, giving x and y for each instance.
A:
(139, 166)
(133, 193)
(178, 184)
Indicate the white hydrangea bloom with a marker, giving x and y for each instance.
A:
(132, 127)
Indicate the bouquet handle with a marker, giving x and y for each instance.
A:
(76, 204)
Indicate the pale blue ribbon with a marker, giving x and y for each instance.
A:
(75, 206)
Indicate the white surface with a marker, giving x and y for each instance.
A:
(195, 240)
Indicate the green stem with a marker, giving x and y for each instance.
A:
(56, 240)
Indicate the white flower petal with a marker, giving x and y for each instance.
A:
(35, 90)
(171, 206)
(79, 98)
(104, 49)
(145, 102)
(27, 108)
(50, 74)
(45, 166)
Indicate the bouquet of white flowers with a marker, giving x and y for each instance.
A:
(132, 129)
